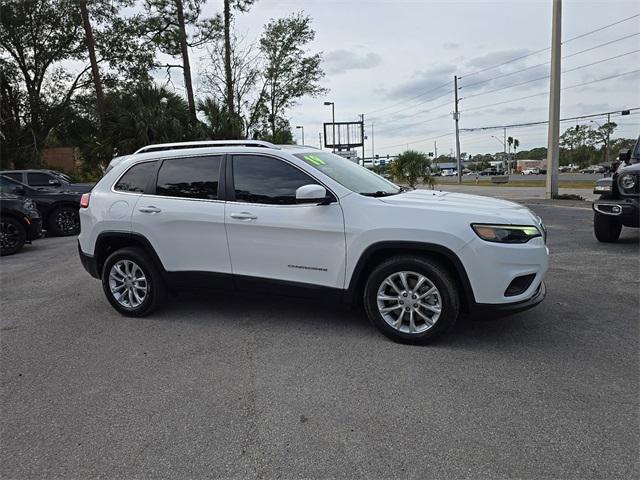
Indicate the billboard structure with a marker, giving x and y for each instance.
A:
(347, 135)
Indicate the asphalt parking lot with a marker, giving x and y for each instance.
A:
(266, 387)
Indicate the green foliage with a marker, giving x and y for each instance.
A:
(410, 167)
(219, 124)
(289, 72)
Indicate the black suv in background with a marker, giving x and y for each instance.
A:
(19, 223)
(619, 202)
(47, 179)
(58, 209)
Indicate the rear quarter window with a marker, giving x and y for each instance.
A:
(136, 178)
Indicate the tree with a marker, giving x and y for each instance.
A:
(245, 73)
(289, 73)
(167, 26)
(242, 6)
(411, 166)
(35, 36)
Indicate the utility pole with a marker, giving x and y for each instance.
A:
(435, 152)
(362, 130)
(456, 117)
(606, 145)
(504, 142)
(553, 146)
(373, 151)
(320, 140)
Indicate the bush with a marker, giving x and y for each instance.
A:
(410, 167)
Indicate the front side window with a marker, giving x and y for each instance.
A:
(259, 179)
(195, 177)
(37, 179)
(350, 175)
(136, 178)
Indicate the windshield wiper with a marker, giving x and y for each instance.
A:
(379, 193)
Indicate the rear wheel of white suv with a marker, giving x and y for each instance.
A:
(132, 283)
(411, 299)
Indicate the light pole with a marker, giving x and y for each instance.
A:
(301, 127)
(333, 124)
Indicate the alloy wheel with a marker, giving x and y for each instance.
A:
(409, 302)
(128, 283)
(67, 221)
(9, 235)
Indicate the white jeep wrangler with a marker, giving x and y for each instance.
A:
(252, 216)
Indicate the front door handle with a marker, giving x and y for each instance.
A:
(243, 216)
(149, 209)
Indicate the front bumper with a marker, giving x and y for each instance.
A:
(627, 210)
(34, 228)
(503, 309)
(89, 263)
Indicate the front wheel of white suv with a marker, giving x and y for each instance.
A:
(411, 299)
(132, 283)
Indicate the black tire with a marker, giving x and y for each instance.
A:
(156, 290)
(606, 228)
(64, 221)
(437, 274)
(12, 236)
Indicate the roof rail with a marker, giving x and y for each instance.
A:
(205, 143)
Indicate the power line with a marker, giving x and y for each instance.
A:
(547, 48)
(409, 100)
(547, 76)
(422, 103)
(547, 93)
(418, 141)
(415, 124)
(547, 63)
(601, 45)
(528, 124)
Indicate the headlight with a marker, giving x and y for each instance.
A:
(627, 181)
(506, 233)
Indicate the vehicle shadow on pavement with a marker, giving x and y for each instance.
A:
(276, 315)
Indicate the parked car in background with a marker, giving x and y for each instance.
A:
(448, 172)
(58, 208)
(50, 179)
(20, 223)
(619, 202)
(594, 169)
(531, 171)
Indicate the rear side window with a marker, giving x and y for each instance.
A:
(36, 179)
(136, 178)
(268, 180)
(14, 175)
(195, 177)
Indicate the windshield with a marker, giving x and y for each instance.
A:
(350, 175)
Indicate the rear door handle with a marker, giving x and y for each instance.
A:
(149, 209)
(243, 216)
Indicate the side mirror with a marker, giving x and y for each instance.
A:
(312, 194)
(19, 191)
(55, 183)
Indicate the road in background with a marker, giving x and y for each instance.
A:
(267, 387)
(569, 177)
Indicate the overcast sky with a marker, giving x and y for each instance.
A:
(388, 58)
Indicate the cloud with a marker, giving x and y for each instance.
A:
(341, 61)
(423, 81)
(450, 45)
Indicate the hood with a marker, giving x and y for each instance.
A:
(479, 206)
(633, 168)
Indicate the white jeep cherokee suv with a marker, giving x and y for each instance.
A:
(263, 218)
